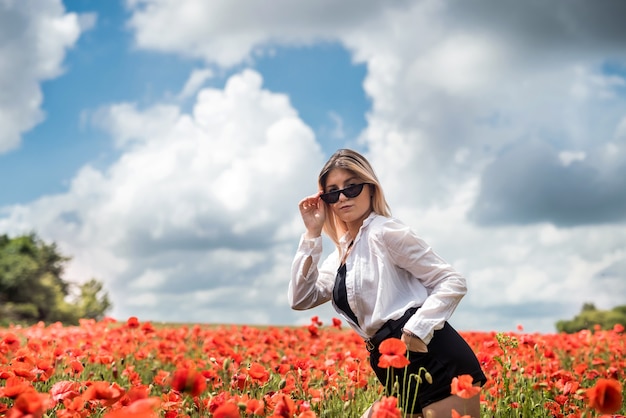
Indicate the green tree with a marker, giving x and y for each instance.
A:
(589, 317)
(32, 287)
(92, 301)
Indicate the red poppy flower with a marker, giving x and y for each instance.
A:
(284, 407)
(64, 389)
(238, 381)
(133, 322)
(25, 373)
(161, 378)
(255, 407)
(11, 340)
(387, 407)
(455, 414)
(147, 328)
(462, 387)
(142, 408)
(190, 381)
(606, 396)
(14, 387)
(227, 410)
(73, 407)
(258, 372)
(30, 404)
(5, 374)
(314, 330)
(103, 391)
(43, 369)
(76, 367)
(136, 393)
(393, 353)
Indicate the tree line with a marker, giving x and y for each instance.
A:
(590, 317)
(32, 287)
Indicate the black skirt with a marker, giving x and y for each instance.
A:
(448, 356)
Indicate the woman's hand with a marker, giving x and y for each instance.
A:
(313, 211)
(414, 343)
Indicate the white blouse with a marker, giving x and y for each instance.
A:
(389, 270)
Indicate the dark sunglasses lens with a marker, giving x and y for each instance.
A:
(350, 192)
(353, 191)
(330, 197)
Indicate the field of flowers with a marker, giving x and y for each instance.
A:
(133, 369)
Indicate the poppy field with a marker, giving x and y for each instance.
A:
(138, 369)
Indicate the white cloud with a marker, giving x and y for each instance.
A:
(197, 78)
(228, 31)
(195, 202)
(34, 38)
(568, 157)
(450, 101)
(472, 114)
(441, 78)
(458, 65)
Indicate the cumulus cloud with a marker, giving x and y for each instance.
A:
(498, 134)
(194, 82)
(35, 36)
(471, 112)
(451, 87)
(452, 93)
(227, 32)
(199, 211)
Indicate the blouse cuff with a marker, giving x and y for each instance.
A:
(308, 244)
(423, 334)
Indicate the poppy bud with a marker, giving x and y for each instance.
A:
(428, 377)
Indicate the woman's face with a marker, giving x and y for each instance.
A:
(350, 210)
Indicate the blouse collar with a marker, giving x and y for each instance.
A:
(345, 240)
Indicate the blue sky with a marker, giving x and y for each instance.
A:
(104, 67)
(164, 145)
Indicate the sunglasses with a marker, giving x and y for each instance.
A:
(349, 192)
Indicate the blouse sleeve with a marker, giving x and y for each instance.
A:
(316, 287)
(446, 287)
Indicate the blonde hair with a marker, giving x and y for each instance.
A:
(358, 165)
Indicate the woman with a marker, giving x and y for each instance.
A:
(385, 282)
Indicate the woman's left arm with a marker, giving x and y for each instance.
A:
(446, 287)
